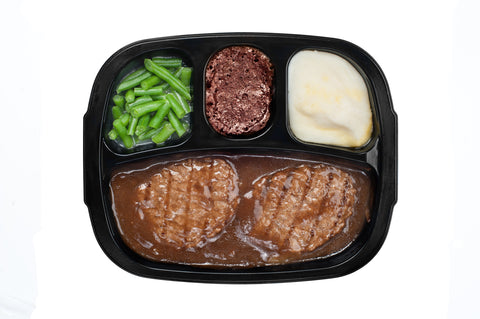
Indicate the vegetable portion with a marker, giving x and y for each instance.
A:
(168, 77)
(152, 103)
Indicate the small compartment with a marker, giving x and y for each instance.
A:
(329, 101)
(160, 109)
(239, 91)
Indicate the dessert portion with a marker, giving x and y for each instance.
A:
(328, 100)
(188, 202)
(299, 209)
(238, 95)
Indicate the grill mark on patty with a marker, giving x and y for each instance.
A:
(210, 187)
(190, 201)
(295, 222)
(194, 198)
(272, 204)
(313, 206)
(302, 231)
(320, 206)
(293, 196)
(162, 210)
(166, 205)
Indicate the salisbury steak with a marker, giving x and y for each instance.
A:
(299, 209)
(190, 201)
(238, 90)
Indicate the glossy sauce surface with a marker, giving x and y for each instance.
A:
(234, 246)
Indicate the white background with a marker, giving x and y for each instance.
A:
(50, 263)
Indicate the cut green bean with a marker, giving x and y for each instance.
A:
(163, 73)
(150, 102)
(124, 119)
(145, 108)
(186, 107)
(175, 73)
(135, 74)
(113, 134)
(175, 105)
(186, 76)
(152, 132)
(142, 125)
(130, 96)
(132, 126)
(139, 100)
(116, 112)
(177, 125)
(166, 131)
(162, 111)
(167, 62)
(151, 81)
(125, 85)
(157, 97)
(156, 90)
(119, 101)
(122, 132)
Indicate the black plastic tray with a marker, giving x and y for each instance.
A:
(379, 154)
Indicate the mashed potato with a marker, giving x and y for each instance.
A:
(328, 100)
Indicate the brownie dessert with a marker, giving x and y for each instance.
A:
(238, 90)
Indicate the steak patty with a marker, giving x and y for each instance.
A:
(238, 90)
(299, 209)
(190, 201)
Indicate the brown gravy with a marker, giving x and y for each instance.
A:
(233, 247)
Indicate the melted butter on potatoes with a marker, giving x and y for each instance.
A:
(328, 100)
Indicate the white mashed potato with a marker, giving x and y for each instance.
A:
(328, 100)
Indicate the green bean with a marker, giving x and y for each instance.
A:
(156, 90)
(119, 101)
(151, 81)
(130, 96)
(175, 105)
(162, 111)
(142, 125)
(145, 108)
(163, 73)
(166, 131)
(132, 126)
(167, 62)
(186, 76)
(122, 132)
(176, 74)
(125, 85)
(112, 134)
(134, 74)
(177, 125)
(139, 100)
(116, 112)
(148, 134)
(157, 97)
(124, 119)
(186, 107)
